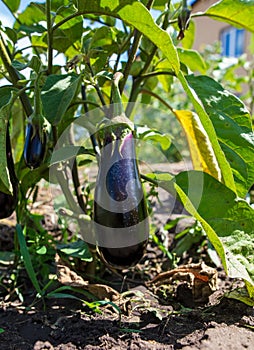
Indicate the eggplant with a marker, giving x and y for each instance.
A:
(8, 202)
(120, 209)
(183, 21)
(35, 145)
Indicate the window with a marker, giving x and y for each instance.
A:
(232, 40)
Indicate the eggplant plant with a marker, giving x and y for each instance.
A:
(78, 49)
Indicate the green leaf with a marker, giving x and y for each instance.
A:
(57, 94)
(41, 250)
(35, 64)
(35, 28)
(192, 59)
(6, 258)
(159, 4)
(102, 36)
(27, 259)
(239, 13)
(135, 14)
(227, 220)
(12, 34)
(224, 166)
(6, 101)
(68, 152)
(189, 36)
(29, 178)
(78, 249)
(233, 128)
(13, 5)
(147, 134)
(242, 295)
(33, 14)
(70, 32)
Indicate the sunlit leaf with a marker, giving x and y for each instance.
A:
(233, 129)
(57, 94)
(225, 168)
(192, 59)
(241, 294)
(189, 36)
(238, 12)
(70, 32)
(68, 152)
(13, 5)
(147, 134)
(227, 220)
(78, 249)
(135, 13)
(32, 15)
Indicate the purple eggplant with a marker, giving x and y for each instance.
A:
(8, 202)
(35, 145)
(120, 210)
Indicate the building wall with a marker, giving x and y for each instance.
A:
(208, 30)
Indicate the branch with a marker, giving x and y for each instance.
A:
(49, 36)
(148, 92)
(14, 77)
(131, 59)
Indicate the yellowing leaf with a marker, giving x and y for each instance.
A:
(202, 153)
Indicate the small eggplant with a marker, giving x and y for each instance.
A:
(183, 21)
(8, 202)
(120, 210)
(35, 145)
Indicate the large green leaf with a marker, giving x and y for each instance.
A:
(135, 14)
(226, 172)
(32, 15)
(13, 5)
(57, 94)
(232, 124)
(6, 95)
(78, 249)
(70, 32)
(227, 220)
(239, 13)
(192, 59)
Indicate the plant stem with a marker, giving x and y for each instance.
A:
(133, 52)
(148, 92)
(14, 77)
(148, 179)
(92, 137)
(49, 37)
(131, 58)
(77, 186)
(154, 74)
(62, 178)
(37, 96)
(96, 86)
(138, 80)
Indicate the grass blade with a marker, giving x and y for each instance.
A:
(27, 259)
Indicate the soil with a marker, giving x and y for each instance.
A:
(162, 318)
